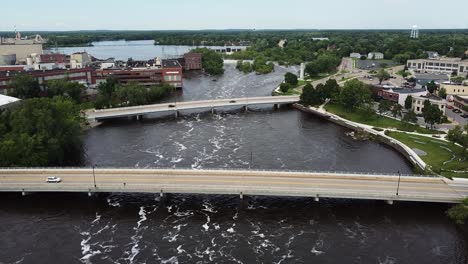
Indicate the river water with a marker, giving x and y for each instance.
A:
(139, 228)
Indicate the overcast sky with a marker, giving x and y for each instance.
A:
(221, 14)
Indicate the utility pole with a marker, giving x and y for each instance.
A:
(399, 178)
(94, 176)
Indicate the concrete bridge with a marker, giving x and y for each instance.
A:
(138, 111)
(238, 182)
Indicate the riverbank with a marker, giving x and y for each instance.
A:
(428, 154)
(380, 136)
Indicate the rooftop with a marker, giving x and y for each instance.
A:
(171, 64)
(4, 100)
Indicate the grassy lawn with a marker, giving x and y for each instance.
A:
(439, 153)
(379, 121)
(319, 76)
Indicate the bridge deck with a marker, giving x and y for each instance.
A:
(155, 108)
(354, 186)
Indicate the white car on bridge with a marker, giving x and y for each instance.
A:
(53, 179)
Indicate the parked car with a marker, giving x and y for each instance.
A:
(53, 179)
(458, 111)
(464, 115)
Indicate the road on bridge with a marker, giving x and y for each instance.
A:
(167, 107)
(274, 183)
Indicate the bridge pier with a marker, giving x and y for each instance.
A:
(161, 193)
(138, 117)
(23, 193)
(276, 106)
(212, 111)
(241, 196)
(177, 114)
(245, 108)
(316, 199)
(389, 202)
(90, 194)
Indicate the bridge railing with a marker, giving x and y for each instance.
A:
(224, 169)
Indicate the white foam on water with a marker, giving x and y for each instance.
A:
(169, 208)
(98, 217)
(208, 208)
(86, 248)
(113, 203)
(180, 250)
(172, 260)
(230, 230)
(171, 238)
(206, 226)
(216, 226)
(176, 160)
(316, 252)
(179, 226)
(136, 237)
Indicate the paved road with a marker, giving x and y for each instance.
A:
(274, 183)
(146, 109)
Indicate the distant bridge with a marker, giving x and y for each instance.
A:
(194, 105)
(238, 182)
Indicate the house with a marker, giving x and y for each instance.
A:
(80, 60)
(355, 55)
(432, 54)
(375, 56)
(418, 103)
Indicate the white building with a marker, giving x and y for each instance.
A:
(442, 65)
(80, 60)
(418, 103)
(7, 101)
(355, 55)
(375, 56)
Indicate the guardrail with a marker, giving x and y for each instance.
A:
(222, 169)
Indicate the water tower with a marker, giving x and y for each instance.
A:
(415, 32)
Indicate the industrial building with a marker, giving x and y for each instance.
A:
(170, 72)
(85, 76)
(442, 65)
(16, 50)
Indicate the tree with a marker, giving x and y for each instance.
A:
(382, 75)
(457, 135)
(211, 60)
(284, 87)
(385, 106)
(331, 89)
(310, 95)
(409, 102)
(457, 80)
(42, 132)
(291, 79)
(396, 110)
(459, 212)
(442, 93)
(410, 117)
(312, 69)
(66, 88)
(431, 87)
(363, 57)
(431, 113)
(25, 86)
(132, 94)
(354, 94)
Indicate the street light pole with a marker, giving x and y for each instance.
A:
(399, 178)
(94, 176)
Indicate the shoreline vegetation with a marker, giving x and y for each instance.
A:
(296, 46)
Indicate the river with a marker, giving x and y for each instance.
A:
(143, 228)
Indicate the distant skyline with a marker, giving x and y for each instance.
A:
(58, 15)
